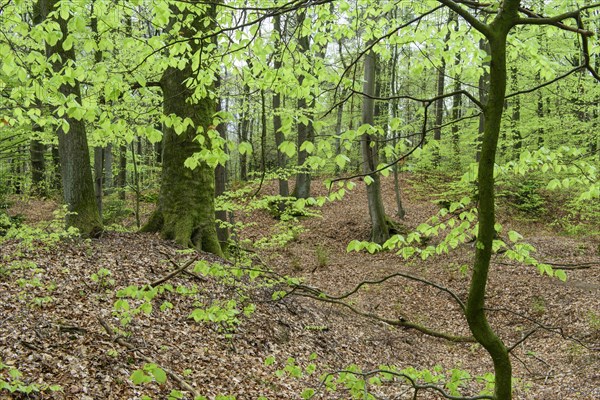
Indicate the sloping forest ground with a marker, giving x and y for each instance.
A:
(58, 325)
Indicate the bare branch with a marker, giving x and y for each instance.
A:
(174, 273)
(425, 101)
(550, 82)
(524, 338)
(402, 275)
(412, 381)
(557, 21)
(467, 16)
(394, 322)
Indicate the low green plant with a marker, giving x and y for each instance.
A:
(10, 381)
(46, 236)
(102, 278)
(538, 305)
(149, 373)
(322, 255)
(524, 195)
(594, 320)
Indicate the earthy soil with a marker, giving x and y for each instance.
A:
(60, 340)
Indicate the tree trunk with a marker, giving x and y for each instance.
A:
(305, 130)
(78, 186)
(516, 116)
(122, 174)
(56, 178)
(37, 151)
(108, 169)
(484, 84)
(221, 181)
(379, 227)
(186, 209)
(439, 104)
(284, 189)
(493, 109)
(99, 176)
(244, 132)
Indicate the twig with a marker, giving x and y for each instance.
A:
(174, 273)
(524, 338)
(188, 273)
(120, 340)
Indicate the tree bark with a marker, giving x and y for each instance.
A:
(284, 189)
(379, 227)
(76, 173)
(37, 151)
(305, 130)
(186, 209)
(221, 181)
(99, 176)
(483, 87)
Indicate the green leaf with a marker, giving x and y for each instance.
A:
(68, 43)
(514, 236)
(269, 361)
(560, 274)
(368, 180)
(287, 148)
(245, 148)
(341, 160)
(307, 146)
(160, 375)
(138, 377)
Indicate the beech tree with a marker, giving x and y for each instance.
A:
(327, 63)
(185, 210)
(76, 173)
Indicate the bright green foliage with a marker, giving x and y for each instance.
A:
(149, 373)
(10, 381)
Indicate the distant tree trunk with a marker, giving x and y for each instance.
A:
(56, 179)
(98, 176)
(158, 149)
(78, 186)
(379, 226)
(284, 189)
(456, 99)
(540, 114)
(400, 211)
(439, 104)
(221, 181)
(186, 203)
(456, 114)
(37, 152)
(516, 115)
(98, 150)
(338, 132)
(244, 132)
(122, 173)
(108, 168)
(305, 129)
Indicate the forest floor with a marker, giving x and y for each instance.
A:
(58, 325)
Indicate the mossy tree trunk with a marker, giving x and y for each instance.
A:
(76, 172)
(186, 209)
(493, 106)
